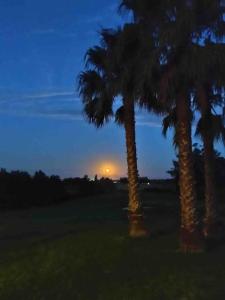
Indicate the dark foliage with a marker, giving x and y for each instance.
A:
(85, 187)
(140, 180)
(19, 190)
(199, 167)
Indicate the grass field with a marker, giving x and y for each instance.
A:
(80, 250)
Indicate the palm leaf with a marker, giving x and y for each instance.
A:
(119, 115)
(169, 121)
(90, 84)
(96, 57)
(213, 124)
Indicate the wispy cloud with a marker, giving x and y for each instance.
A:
(9, 96)
(36, 114)
(49, 104)
(149, 124)
(49, 95)
(62, 105)
(149, 120)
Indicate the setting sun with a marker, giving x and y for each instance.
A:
(107, 168)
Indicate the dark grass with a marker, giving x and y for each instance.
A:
(80, 250)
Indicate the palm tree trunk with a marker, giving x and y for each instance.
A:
(190, 237)
(210, 219)
(136, 222)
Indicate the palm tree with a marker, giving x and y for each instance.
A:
(180, 118)
(210, 127)
(116, 69)
(177, 25)
(174, 92)
(207, 65)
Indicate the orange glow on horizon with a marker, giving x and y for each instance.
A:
(109, 168)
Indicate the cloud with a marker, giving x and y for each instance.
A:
(51, 94)
(149, 124)
(12, 97)
(146, 119)
(50, 104)
(59, 104)
(59, 116)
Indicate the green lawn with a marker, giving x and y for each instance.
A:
(80, 250)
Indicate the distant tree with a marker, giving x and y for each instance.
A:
(40, 175)
(123, 180)
(198, 158)
(143, 180)
(86, 178)
(55, 178)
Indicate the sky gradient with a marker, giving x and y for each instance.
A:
(42, 47)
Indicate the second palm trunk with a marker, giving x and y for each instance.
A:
(211, 215)
(190, 237)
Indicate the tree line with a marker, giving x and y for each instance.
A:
(20, 190)
(170, 60)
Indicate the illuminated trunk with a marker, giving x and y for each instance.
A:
(190, 237)
(136, 222)
(211, 218)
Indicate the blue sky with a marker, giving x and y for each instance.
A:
(42, 46)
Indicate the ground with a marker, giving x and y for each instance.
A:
(80, 250)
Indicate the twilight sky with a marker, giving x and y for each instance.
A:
(42, 46)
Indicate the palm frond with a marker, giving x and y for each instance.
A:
(98, 111)
(213, 124)
(109, 37)
(218, 128)
(169, 121)
(119, 115)
(90, 84)
(96, 57)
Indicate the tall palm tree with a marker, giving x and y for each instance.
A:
(210, 128)
(116, 68)
(180, 118)
(178, 24)
(207, 63)
(174, 94)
